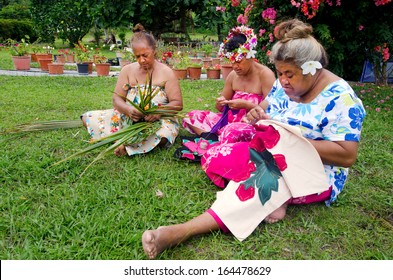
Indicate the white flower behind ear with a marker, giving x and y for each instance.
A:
(311, 67)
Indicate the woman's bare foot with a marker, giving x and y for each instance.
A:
(277, 214)
(120, 151)
(156, 241)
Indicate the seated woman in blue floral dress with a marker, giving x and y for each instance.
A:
(306, 137)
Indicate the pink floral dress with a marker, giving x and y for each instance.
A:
(205, 120)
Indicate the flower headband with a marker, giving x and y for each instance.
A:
(245, 50)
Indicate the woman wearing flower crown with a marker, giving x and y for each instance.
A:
(132, 77)
(245, 87)
(306, 137)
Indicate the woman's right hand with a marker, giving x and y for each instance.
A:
(221, 101)
(255, 114)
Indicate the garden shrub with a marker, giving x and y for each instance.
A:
(16, 29)
(15, 11)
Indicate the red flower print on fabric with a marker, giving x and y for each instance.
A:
(245, 194)
(280, 161)
(268, 137)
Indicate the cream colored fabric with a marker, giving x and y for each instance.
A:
(303, 176)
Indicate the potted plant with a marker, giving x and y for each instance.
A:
(195, 71)
(167, 58)
(44, 52)
(102, 66)
(214, 72)
(226, 68)
(180, 64)
(56, 68)
(20, 54)
(68, 54)
(82, 57)
(34, 49)
(207, 49)
(60, 57)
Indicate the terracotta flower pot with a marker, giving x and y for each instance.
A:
(216, 60)
(56, 68)
(181, 74)
(226, 69)
(103, 69)
(194, 72)
(60, 58)
(33, 57)
(70, 58)
(207, 62)
(21, 62)
(44, 63)
(43, 56)
(213, 73)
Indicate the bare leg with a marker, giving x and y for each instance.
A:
(163, 142)
(156, 241)
(277, 214)
(120, 151)
(197, 130)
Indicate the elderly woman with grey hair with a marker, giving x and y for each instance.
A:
(305, 137)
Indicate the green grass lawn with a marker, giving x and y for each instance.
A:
(50, 213)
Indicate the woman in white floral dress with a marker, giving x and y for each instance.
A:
(100, 123)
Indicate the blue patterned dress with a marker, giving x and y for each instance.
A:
(336, 114)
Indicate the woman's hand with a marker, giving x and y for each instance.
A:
(220, 101)
(134, 114)
(152, 118)
(255, 114)
(237, 104)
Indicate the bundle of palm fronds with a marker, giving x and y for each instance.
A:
(128, 135)
(43, 126)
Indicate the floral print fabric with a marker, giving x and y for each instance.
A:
(101, 123)
(205, 120)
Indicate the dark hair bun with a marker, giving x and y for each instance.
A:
(235, 42)
(138, 28)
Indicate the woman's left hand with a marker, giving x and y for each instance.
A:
(152, 118)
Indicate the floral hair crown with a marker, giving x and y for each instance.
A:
(245, 50)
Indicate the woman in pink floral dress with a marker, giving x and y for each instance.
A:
(245, 87)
